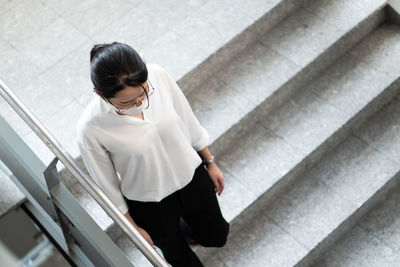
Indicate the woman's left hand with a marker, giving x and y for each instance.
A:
(216, 176)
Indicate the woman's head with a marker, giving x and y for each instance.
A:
(118, 74)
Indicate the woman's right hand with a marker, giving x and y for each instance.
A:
(146, 235)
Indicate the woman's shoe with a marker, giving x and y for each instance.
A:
(190, 241)
(187, 231)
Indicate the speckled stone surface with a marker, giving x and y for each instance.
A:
(264, 128)
(320, 201)
(280, 140)
(360, 248)
(374, 241)
(324, 197)
(384, 220)
(381, 50)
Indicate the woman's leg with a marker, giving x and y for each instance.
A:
(176, 250)
(161, 221)
(202, 212)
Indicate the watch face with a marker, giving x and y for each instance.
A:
(210, 161)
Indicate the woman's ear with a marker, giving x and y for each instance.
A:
(102, 97)
(94, 90)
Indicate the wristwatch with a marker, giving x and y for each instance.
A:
(210, 161)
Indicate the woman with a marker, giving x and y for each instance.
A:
(144, 147)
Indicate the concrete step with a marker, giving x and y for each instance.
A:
(293, 224)
(373, 240)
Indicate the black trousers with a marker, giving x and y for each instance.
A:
(197, 204)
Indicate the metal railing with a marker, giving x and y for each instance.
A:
(93, 189)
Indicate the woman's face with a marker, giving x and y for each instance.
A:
(129, 96)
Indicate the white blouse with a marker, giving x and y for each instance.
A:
(145, 160)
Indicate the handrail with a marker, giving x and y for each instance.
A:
(87, 183)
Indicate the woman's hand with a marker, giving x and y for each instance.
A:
(145, 235)
(216, 176)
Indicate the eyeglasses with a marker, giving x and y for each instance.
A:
(131, 103)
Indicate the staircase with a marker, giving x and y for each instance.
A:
(302, 108)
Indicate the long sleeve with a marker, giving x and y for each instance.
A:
(101, 169)
(199, 136)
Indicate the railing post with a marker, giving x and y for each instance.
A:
(52, 179)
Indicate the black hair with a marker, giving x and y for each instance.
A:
(114, 66)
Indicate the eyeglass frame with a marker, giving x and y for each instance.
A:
(134, 101)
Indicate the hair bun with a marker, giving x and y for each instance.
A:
(97, 48)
